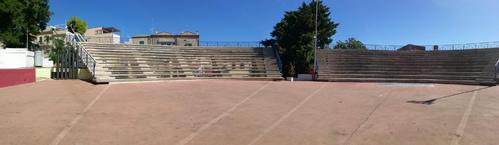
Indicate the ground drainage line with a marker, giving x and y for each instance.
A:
(73, 122)
(385, 97)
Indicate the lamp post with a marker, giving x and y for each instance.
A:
(27, 39)
(315, 38)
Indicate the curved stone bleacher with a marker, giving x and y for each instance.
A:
(127, 62)
(475, 66)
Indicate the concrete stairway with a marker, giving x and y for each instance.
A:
(456, 67)
(125, 62)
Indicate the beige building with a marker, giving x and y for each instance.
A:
(103, 35)
(46, 38)
(164, 38)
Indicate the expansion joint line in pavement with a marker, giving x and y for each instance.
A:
(219, 117)
(73, 122)
(385, 97)
(464, 121)
(285, 116)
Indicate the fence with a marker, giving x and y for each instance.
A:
(66, 64)
(230, 44)
(70, 60)
(469, 46)
(466, 46)
(480, 45)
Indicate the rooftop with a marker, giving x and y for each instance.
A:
(186, 33)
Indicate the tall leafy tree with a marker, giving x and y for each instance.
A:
(21, 18)
(79, 25)
(351, 43)
(294, 36)
(57, 47)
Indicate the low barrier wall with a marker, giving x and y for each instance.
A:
(11, 77)
(16, 58)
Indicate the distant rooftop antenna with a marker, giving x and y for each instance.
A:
(187, 28)
(152, 27)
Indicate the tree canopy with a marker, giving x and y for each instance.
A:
(21, 18)
(351, 43)
(57, 47)
(294, 36)
(79, 25)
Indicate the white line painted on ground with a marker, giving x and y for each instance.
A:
(73, 122)
(218, 118)
(285, 116)
(155, 81)
(464, 121)
(136, 82)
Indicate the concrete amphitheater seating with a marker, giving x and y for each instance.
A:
(458, 67)
(125, 62)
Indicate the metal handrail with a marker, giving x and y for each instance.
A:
(86, 58)
(278, 58)
(235, 44)
(465, 46)
(496, 70)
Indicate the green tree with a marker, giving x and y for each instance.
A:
(21, 18)
(79, 25)
(57, 48)
(294, 35)
(291, 70)
(351, 43)
(268, 43)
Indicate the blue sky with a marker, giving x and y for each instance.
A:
(394, 22)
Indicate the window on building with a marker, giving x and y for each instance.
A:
(188, 44)
(141, 42)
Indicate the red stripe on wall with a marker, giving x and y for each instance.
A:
(11, 77)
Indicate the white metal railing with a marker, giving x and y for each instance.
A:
(74, 39)
(466, 46)
(496, 70)
(278, 59)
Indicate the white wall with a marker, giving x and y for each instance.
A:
(16, 58)
(47, 63)
(116, 39)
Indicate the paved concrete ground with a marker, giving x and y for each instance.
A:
(246, 113)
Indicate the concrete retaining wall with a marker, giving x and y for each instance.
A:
(11, 77)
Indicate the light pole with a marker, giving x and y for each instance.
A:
(27, 39)
(315, 38)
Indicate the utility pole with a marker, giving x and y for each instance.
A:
(315, 37)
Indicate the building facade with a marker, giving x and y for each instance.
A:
(103, 35)
(165, 38)
(47, 37)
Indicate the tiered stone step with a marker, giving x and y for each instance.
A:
(461, 67)
(124, 62)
